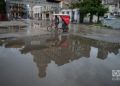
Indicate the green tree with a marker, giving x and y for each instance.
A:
(3, 15)
(2, 6)
(92, 7)
(100, 12)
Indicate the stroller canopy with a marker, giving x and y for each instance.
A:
(65, 18)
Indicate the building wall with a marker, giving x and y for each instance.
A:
(37, 12)
(16, 11)
(113, 6)
(34, 8)
(42, 12)
(108, 1)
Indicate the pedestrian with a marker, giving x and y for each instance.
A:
(60, 23)
(56, 21)
(64, 26)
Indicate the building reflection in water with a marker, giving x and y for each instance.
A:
(37, 26)
(11, 29)
(60, 49)
(102, 53)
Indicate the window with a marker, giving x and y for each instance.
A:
(67, 12)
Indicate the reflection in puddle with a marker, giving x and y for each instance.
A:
(38, 26)
(11, 29)
(65, 50)
(31, 27)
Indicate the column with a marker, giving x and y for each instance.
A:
(31, 10)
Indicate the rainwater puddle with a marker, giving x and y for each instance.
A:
(55, 60)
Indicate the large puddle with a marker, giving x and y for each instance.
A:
(55, 60)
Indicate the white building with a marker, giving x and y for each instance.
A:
(37, 9)
(37, 12)
(42, 12)
(113, 6)
(118, 7)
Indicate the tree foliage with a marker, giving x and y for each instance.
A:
(2, 6)
(93, 7)
(101, 11)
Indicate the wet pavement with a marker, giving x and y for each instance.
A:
(95, 32)
(58, 60)
(114, 23)
(25, 28)
(12, 29)
(28, 28)
(32, 56)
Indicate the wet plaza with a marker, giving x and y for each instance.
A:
(34, 59)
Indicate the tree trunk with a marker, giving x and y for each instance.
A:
(98, 19)
(81, 17)
(91, 18)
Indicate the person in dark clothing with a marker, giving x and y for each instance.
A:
(56, 21)
(65, 27)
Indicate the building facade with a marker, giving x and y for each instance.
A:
(113, 6)
(16, 9)
(37, 9)
(42, 12)
(45, 9)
